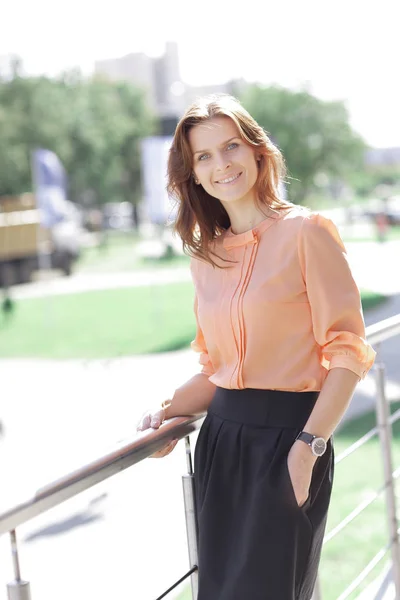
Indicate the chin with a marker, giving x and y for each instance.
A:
(233, 197)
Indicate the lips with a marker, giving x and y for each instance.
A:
(230, 179)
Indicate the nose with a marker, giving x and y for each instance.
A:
(222, 162)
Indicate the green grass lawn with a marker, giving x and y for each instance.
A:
(345, 556)
(101, 324)
(106, 323)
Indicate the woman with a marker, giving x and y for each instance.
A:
(280, 334)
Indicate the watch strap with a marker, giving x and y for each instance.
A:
(306, 437)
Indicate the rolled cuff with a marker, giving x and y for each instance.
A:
(346, 361)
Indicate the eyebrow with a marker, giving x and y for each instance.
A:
(235, 137)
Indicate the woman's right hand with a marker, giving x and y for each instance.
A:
(154, 420)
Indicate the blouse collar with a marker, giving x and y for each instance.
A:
(233, 240)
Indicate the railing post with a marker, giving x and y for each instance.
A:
(191, 517)
(385, 436)
(17, 589)
(317, 594)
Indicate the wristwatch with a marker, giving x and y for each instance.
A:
(317, 444)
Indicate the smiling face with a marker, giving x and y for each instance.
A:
(223, 163)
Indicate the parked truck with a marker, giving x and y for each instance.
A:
(26, 246)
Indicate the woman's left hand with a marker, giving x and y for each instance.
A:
(300, 466)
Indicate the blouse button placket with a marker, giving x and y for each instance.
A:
(250, 250)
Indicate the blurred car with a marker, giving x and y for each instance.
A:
(26, 246)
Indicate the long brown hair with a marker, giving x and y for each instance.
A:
(200, 216)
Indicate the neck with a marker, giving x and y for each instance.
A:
(244, 218)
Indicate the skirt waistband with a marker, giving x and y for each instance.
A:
(263, 408)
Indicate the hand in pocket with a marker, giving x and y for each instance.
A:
(300, 463)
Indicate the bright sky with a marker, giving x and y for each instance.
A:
(345, 49)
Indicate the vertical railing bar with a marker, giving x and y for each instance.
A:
(17, 589)
(14, 553)
(188, 456)
(191, 517)
(385, 436)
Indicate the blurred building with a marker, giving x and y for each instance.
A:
(167, 94)
(383, 157)
(159, 77)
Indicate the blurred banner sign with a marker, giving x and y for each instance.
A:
(50, 183)
(159, 206)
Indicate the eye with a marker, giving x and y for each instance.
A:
(203, 156)
(233, 145)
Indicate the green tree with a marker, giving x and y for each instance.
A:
(106, 126)
(33, 113)
(94, 126)
(314, 136)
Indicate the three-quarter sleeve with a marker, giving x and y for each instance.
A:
(334, 298)
(199, 345)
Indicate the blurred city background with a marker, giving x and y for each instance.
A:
(96, 300)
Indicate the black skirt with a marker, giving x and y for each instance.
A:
(255, 542)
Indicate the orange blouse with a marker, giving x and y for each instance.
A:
(284, 312)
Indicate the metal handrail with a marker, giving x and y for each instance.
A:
(354, 514)
(365, 438)
(383, 330)
(358, 510)
(365, 572)
(356, 445)
(394, 417)
(142, 446)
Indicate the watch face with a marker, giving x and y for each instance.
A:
(318, 446)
